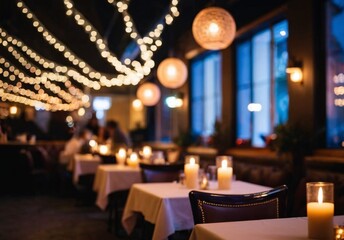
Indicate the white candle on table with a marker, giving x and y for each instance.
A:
(103, 149)
(133, 160)
(320, 218)
(93, 144)
(147, 152)
(191, 173)
(121, 156)
(224, 175)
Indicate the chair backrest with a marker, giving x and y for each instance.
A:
(160, 172)
(211, 207)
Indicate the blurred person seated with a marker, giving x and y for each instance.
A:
(138, 135)
(115, 136)
(79, 143)
(93, 125)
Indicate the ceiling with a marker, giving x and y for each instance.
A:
(109, 23)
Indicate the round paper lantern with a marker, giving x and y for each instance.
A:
(149, 94)
(172, 73)
(214, 28)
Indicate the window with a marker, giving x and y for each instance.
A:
(262, 90)
(335, 74)
(205, 92)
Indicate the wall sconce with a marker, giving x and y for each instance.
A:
(137, 104)
(294, 69)
(175, 101)
(13, 110)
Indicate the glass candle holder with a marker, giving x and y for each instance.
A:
(320, 209)
(224, 171)
(219, 160)
(133, 160)
(191, 169)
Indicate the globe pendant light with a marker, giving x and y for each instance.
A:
(172, 73)
(148, 93)
(214, 28)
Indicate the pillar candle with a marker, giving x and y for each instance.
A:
(121, 156)
(224, 175)
(320, 218)
(191, 174)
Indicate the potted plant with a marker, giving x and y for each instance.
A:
(221, 137)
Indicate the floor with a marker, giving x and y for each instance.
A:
(37, 217)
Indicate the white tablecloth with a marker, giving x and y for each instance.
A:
(271, 229)
(167, 205)
(83, 164)
(113, 177)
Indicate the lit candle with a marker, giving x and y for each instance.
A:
(121, 156)
(133, 160)
(93, 144)
(224, 175)
(204, 182)
(147, 152)
(320, 216)
(191, 172)
(103, 149)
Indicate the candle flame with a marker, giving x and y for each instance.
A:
(192, 161)
(224, 164)
(122, 152)
(133, 157)
(92, 143)
(320, 195)
(103, 149)
(147, 150)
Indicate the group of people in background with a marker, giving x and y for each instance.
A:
(111, 134)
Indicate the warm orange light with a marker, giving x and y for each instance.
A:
(214, 28)
(149, 94)
(172, 73)
(320, 195)
(295, 74)
(137, 105)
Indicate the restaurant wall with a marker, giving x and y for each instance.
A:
(120, 111)
(306, 44)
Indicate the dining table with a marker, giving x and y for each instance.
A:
(82, 164)
(267, 229)
(114, 177)
(167, 206)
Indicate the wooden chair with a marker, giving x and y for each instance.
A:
(211, 207)
(160, 172)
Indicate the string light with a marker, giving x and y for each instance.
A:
(70, 56)
(46, 64)
(68, 97)
(128, 76)
(42, 76)
(130, 71)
